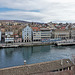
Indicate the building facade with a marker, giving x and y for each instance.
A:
(61, 33)
(27, 34)
(17, 39)
(45, 34)
(9, 36)
(36, 34)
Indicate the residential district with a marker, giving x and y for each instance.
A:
(15, 32)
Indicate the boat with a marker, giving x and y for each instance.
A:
(67, 42)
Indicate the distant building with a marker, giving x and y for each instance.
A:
(9, 36)
(45, 34)
(73, 33)
(17, 38)
(36, 34)
(27, 34)
(61, 33)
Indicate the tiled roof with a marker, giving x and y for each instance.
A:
(62, 27)
(35, 28)
(61, 30)
(42, 67)
(42, 29)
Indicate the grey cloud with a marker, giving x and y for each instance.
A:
(49, 10)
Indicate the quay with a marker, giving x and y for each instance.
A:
(67, 42)
(58, 67)
(14, 45)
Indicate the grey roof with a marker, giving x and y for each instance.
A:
(42, 67)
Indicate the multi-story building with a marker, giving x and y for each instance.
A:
(9, 36)
(36, 34)
(17, 38)
(72, 34)
(27, 34)
(45, 34)
(61, 33)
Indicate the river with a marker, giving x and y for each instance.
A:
(10, 57)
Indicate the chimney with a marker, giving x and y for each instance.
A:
(24, 62)
(61, 62)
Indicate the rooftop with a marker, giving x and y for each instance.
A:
(42, 67)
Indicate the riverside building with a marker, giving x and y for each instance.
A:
(73, 33)
(27, 34)
(61, 33)
(45, 34)
(9, 36)
(36, 34)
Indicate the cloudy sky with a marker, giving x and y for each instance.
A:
(38, 10)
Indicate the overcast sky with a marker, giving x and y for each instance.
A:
(38, 10)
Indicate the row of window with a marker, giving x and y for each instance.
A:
(67, 68)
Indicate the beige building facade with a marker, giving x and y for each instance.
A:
(73, 33)
(45, 33)
(63, 34)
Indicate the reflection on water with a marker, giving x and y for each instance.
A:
(15, 56)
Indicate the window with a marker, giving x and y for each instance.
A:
(27, 34)
(69, 68)
(60, 69)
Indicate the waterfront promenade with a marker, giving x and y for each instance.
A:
(21, 44)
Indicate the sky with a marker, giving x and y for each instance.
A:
(43, 11)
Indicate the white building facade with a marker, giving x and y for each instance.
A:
(36, 35)
(9, 37)
(27, 34)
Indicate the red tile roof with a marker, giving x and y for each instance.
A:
(35, 28)
(62, 27)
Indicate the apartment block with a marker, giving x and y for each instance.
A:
(27, 34)
(61, 33)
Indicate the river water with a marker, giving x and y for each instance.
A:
(15, 56)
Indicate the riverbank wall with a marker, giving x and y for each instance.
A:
(25, 44)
